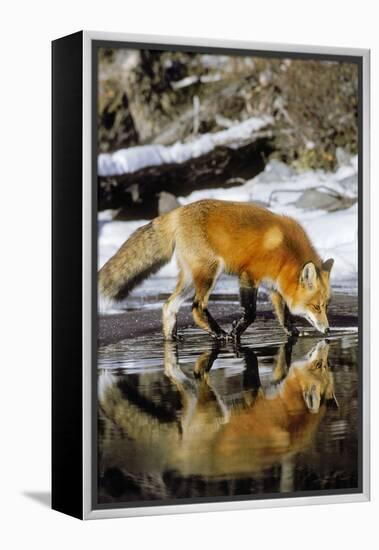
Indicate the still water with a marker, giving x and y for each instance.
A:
(195, 420)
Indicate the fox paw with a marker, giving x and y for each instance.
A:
(174, 338)
(220, 336)
(292, 332)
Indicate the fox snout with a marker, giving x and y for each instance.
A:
(321, 325)
(320, 322)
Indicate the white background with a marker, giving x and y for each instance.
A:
(26, 31)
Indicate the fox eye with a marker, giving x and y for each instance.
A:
(316, 307)
(318, 364)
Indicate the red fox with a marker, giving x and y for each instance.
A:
(212, 236)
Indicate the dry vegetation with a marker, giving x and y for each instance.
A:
(161, 97)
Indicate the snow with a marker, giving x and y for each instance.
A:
(130, 160)
(334, 234)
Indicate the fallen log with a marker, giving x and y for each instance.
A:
(138, 193)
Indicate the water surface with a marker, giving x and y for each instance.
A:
(195, 420)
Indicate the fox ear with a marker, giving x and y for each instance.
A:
(308, 275)
(327, 265)
(331, 400)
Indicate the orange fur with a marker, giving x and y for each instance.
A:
(246, 240)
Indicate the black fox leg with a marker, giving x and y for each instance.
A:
(202, 317)
(283, 361)
(205, 362)
(288, 352)
(251, 382)
(283, 314)
(251, 379)
(289, 322)
(248, 299)
(205, 320)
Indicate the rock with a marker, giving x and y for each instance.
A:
(275, 171)
(350, 183)
(167, 202)
(342, 157)
(312, 199)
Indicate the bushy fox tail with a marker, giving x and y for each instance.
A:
(144, 253)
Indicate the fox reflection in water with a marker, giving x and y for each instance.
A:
(260, 429)
(265, 426)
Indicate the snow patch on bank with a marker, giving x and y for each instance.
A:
(126, 161)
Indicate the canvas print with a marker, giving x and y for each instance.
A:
(228, 349)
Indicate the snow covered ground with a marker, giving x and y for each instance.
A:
(334, 233)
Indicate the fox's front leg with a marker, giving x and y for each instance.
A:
(205, 361)
(283, 314)
(248, 300)
(283, 361)
(204, 280)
